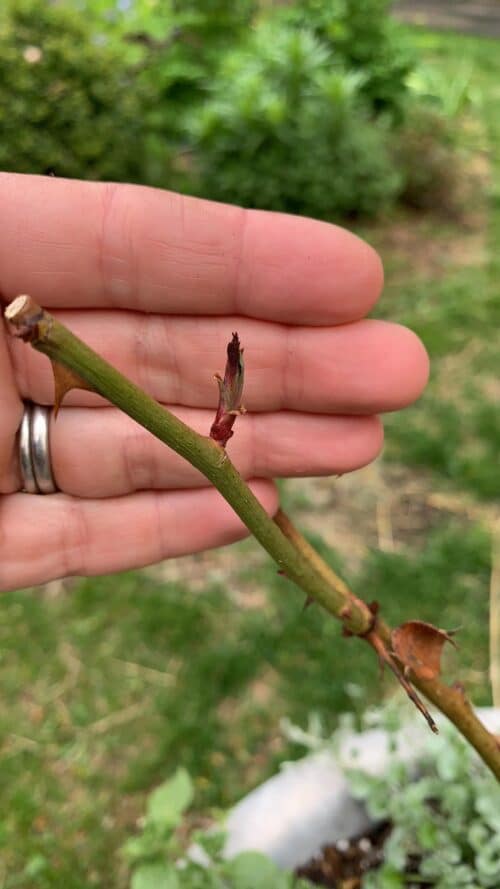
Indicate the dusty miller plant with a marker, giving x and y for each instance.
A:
(446, 818)
(443, 807)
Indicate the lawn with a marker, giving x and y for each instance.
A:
(106, 685)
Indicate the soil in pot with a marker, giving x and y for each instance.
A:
(344, 864)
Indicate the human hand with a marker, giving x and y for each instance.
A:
(156, 283)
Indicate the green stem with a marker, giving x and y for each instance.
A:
(449, 700)
(293, 554)
(49, 336)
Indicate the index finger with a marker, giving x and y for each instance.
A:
(96, 245)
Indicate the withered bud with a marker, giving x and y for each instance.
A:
(230, 393)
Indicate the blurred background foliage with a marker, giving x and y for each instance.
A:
(326, 107)
(306, 106)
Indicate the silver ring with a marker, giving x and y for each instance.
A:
(27, 473)
(34, 450)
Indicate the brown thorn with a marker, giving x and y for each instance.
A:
(385, 657)
(64, 381)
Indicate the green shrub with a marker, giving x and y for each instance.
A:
(301, 112)
(174, 47)
(286, 128)
(366, 39)
(67, 104)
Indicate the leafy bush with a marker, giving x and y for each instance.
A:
(444, 817)
(366, 39)
(174, 47)
(451, 97)
(67, 103)
(286, 128)
(300, 112)
(427, 146)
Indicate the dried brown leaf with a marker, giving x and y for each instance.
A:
(418, 646)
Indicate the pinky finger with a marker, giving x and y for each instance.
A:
(44, 538)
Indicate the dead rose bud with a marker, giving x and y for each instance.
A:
(230, 392)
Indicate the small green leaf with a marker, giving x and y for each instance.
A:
(167, 803)
(136, 848)
(488, 804)
(427, 833)
(488, 862)
(251, 870)
(212, 842)
(389, 879)
(155, 876)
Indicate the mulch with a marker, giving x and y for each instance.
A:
(478, 17)
(344, 864)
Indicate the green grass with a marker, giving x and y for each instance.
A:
(106, 685)
(109, 686)
(454, 430)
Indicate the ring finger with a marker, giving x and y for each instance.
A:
(100, 452)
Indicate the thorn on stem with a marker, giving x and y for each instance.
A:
(385, 657)
(64, 381)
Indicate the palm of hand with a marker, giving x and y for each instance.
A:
(156, 283)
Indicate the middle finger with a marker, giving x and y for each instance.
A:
(365, 367)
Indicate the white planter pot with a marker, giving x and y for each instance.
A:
(308, 805)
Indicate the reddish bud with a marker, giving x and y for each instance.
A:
(230, 392)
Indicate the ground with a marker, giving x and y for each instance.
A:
(108, 684)
(469, 16)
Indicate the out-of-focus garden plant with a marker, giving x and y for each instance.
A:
(365, 38)
(443, 819)
(310, 106)
(158, 856)
(442, 807)
(446, 823)
(173, 48)
(286, 127)
(68, 103)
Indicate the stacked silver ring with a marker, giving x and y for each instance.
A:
(34, 450)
